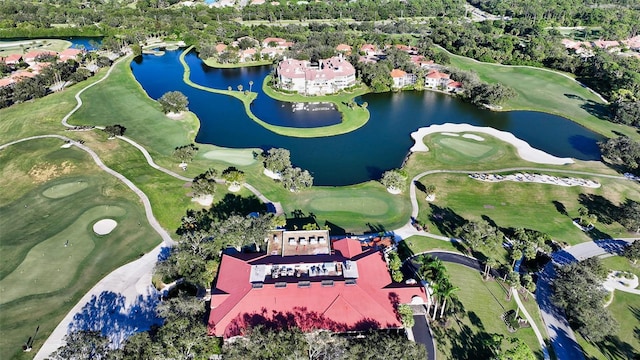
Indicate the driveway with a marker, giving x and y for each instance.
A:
(422, 335)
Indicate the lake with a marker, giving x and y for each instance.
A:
(361, 155)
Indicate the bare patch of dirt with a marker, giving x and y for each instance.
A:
(44, 172)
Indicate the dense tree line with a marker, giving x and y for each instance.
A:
(578, 290)
(622, 151)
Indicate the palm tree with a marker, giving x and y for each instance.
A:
(250, 85)
(239, 87)
(435, 294)
(516, 254)
(513, 280)
(582, 212)
(446, 293)
(489, 264)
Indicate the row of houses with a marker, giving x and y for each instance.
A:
(329, 76)
(34, 67)
(269, 48)
(585, 48)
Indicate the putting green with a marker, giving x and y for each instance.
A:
(361, 205)
(63, 190)
(470, 148)
(50, 265)
(236, 157)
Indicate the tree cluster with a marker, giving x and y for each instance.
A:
(185, 153)
(261, 343)
(204, 184)
(435, 273)
(578, 290)
(622, 151)
(278, 161)
(394, 179)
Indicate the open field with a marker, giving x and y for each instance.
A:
(24, 46)
(547, 91)
(621, 263)
(51, 256)
(483, 303)
(625, 344)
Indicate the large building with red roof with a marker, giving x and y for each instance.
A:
(303, 280)
(328, 76)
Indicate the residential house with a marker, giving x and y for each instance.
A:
(328, 76)
(13, 59)
(402, 78)
(69, 54)
(344, 49)
(6, 82)
(442, 81)
(303, 279)
(30, 57)
(369, 50)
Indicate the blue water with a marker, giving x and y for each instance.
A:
(361, 155)
(85, 42)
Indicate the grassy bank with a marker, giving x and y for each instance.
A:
(352, 118)
(51, 254)
(547, 91)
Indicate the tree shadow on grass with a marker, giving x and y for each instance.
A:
(601, 111)
(446, 220)
(110, 314)
(560, 207)
(606, 211)
(614, 348)
(232, 204)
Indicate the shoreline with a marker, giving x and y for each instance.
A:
(524, 150)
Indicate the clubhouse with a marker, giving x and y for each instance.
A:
(307, 280)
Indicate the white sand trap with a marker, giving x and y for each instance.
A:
(205, 200)
(449, 134)
(66, 145)
(104, 226)
(271, 174)
(175, 116)
(235, 188)
(394, 191)
(525, 151)
(473, 137)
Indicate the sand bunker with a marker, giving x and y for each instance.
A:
(525, 151)
(104, 226)
(204, 200)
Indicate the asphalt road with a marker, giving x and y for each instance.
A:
(422, 335)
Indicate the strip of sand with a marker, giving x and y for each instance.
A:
(525, 151)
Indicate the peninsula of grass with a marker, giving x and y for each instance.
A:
(212, 62)
(543, 207)
(481, 302)
(352, 118)
(547, 91)
(51, 256)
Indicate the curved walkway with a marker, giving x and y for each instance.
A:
(77, 96)
(130, 280)
(473, 263)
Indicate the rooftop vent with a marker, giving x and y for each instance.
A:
(281, 284)
(304, 284)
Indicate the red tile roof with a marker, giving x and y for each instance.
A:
(397, 73)
(349, 248)
(6, 82)
(343, 47)
(434, 74)
(34, 54)
(369, 302)
(13, 58)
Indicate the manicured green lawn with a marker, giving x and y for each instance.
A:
(625, 344)
(467, 148)
(483, 302)
(511, 204)
(57, 195)
(546, 91)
